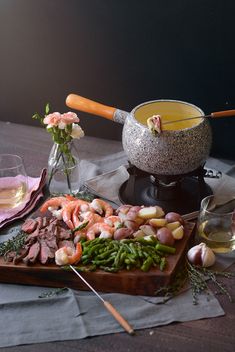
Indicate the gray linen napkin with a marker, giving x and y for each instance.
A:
(75, 315)
(26, 318)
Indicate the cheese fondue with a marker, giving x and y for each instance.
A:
(169, 111)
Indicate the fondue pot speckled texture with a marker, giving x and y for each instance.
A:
(172, 152)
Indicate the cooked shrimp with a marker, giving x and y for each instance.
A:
(101, 229)
(101, 207)
(113, 221)
(81, 207)
(70, 197)
(73, 206)
(88, 217)
(67, 213)
(54, 204)
(67, 255)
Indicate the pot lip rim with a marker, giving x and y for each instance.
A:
(132, 114)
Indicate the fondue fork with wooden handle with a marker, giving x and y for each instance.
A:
(213, 115)
(107, 305)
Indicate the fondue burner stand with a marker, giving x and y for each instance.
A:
(179, 193)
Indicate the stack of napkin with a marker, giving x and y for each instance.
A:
(35, 186)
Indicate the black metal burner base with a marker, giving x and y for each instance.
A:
(183, 197)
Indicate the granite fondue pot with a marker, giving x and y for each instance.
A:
(172, 152)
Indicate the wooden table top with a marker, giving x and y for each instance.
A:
(214, 334)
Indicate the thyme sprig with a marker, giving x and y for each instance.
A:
(14, 244)
(175, 288)
(52, 293)
(84, 195)
(198, 279)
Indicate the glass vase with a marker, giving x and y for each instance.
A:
(63, 169)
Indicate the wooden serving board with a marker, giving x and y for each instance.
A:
(134, 282)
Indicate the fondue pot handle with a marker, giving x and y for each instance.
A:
(223, 113)
(77, 102)
(86, 105)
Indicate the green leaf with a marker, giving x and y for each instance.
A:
(47, 109)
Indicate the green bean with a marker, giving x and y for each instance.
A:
(109, 269)
(117, 262)
(113, 255)
(133, 250)
(106, 254)
(130, 260)
(126, 247)
(162, 263)
(89, 268)
(147, 241)
(165, 249)
(139, 251)
(122, 258)
(103, 261)
(147, 264)
(95, 248)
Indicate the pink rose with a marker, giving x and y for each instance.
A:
(52, 119)
(69, 117)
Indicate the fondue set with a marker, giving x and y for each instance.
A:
(166, 169)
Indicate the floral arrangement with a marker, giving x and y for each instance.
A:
(63, 129)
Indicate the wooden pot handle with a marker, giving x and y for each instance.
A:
(92, 107)
(223, 113)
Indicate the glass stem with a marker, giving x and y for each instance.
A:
(53, 171)
(67, 175)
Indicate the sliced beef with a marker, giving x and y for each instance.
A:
(45, 236)
(33, 253)
(63, 234)
(33, 236)
(23, 253)
(29, 226)
(45, 253)
(66, 243)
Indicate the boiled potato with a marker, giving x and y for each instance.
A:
(157, 222)
(178, 233)
(173, 225)
(172, 217)
(151, 212)
(164, 235)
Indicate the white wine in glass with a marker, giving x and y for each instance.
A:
(13, 181)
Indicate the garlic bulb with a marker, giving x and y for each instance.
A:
(201, 255)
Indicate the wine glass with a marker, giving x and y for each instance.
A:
(13, 181)
(216, 224)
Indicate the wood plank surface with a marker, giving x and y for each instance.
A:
(134, 282)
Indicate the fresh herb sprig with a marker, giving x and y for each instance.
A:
(87, 196)
(52, 293)
(170, 291)
(14, 244)
(199, 277)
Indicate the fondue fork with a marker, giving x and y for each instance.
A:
(213, 115)
(108, 306)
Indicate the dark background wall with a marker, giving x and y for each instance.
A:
(121, 53)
